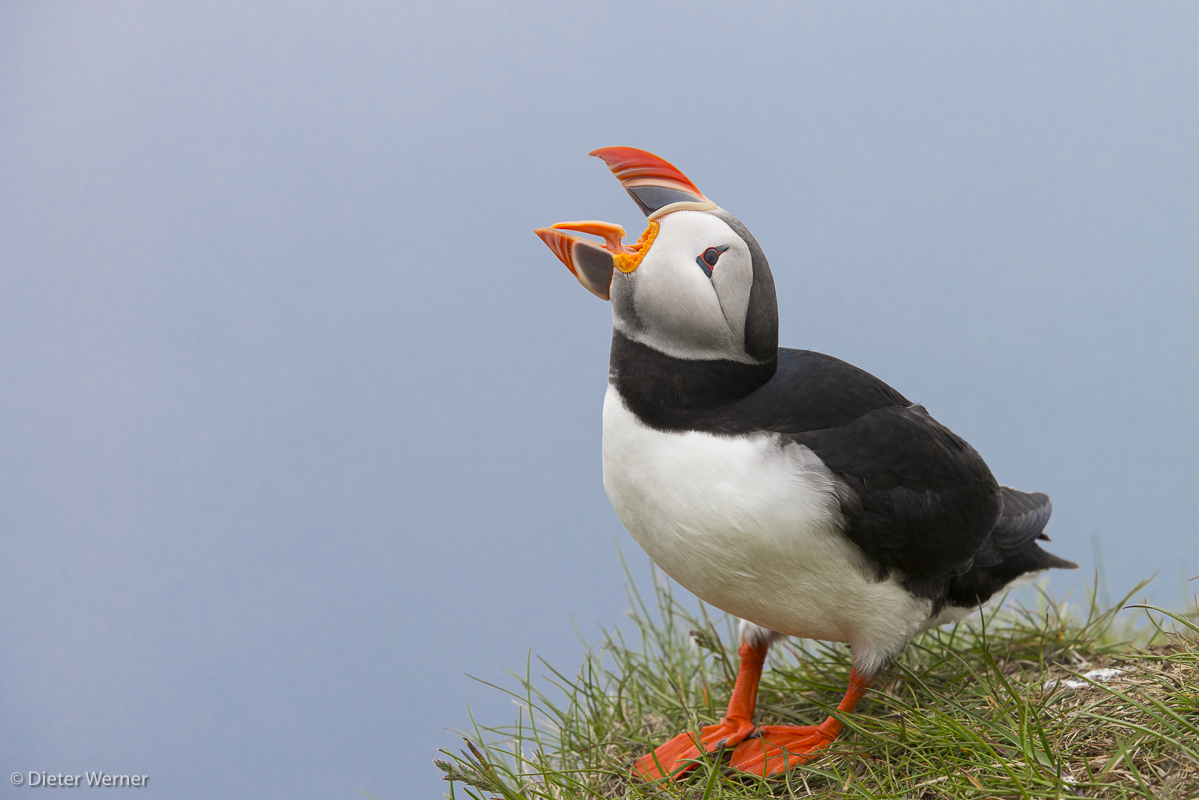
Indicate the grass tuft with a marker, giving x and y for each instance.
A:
(997, 706)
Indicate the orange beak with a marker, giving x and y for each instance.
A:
(658, 188)
(591, 262)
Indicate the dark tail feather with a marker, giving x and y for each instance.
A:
(1023, 521)
(1011, 551)
(979, 583)
(1057, 562)
(1024, 517)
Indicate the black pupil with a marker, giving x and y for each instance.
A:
(710, 256)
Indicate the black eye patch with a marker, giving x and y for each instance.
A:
(709, 258)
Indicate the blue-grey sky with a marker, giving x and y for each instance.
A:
(300, 423)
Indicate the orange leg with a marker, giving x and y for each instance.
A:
(780, 747)
(674, 757)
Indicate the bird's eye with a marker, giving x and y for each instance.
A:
(709, 258)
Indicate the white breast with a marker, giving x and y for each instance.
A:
(751, 525)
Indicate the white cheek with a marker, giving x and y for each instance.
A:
(679, 310)
(681, 302)
(732, 279)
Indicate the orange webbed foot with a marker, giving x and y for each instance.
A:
(677, 756)
(777, 748)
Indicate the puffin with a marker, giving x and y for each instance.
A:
(788, 488)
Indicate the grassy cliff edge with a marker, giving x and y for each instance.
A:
(1012, 702)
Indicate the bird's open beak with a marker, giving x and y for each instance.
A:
(657, 187)
(591, 262)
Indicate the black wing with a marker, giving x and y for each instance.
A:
(921, 499)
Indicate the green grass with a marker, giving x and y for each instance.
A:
(976, 710)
